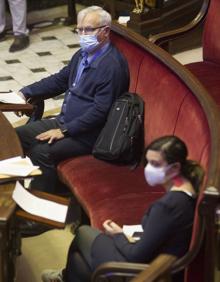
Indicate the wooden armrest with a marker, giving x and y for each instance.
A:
(163, 37)
(159, 266)
(25, 108)
(46, 196)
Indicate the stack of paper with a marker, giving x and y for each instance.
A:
(11, 98)
(17, 166)
(133, 231)
(37, 206)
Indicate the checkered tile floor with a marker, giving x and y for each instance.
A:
(50, 49)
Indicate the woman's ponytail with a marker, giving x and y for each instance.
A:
(193, 172)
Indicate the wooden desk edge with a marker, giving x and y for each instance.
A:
(14, 178)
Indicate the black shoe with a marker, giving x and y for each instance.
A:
(20, 42)
(28, 228)
(2, 35)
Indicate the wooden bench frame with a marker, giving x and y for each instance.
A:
(163, 39)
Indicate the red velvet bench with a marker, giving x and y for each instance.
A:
(175, 103)
(207, 71)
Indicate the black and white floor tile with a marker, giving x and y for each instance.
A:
(50, 50)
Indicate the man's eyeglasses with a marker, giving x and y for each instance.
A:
(87, 29)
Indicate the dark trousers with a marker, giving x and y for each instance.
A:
(47, 156)
(79, 262)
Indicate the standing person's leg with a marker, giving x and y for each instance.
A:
(18, 9)
(2, 19)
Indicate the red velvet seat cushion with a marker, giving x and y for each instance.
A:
(134, 57)
(98, 185)
(209, 75)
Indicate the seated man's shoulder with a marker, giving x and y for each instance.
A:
(116, 56)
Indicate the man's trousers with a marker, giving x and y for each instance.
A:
(47, 156)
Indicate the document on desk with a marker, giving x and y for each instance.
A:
(16, 166)
(11, 97)
(37, 206)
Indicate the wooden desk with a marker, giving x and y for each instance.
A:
(9, 147)
(25, 108)
(9, 235)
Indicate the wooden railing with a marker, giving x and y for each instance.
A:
(162, 38)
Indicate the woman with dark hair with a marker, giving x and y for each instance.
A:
(167, 224)
(174, 152)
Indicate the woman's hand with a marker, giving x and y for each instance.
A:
(111, 227)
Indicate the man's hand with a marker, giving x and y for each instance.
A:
(111, 227)
(50, 135)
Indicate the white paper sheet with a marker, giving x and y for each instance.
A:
(37, 206)
(11, 98)
(129, 230)
(17, 166)
(123, 19)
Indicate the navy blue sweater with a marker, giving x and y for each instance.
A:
(167, 229)
(102, 81)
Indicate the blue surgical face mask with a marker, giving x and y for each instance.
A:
(88, 42)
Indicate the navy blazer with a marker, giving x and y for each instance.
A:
(102, 81)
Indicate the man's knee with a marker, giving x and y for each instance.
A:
(25, 133)
(40, 155)
(23, 137)
(20, 131)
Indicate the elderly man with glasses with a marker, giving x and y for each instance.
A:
(96, 75)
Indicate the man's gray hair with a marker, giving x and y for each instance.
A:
(105, 17)
(85, 11)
